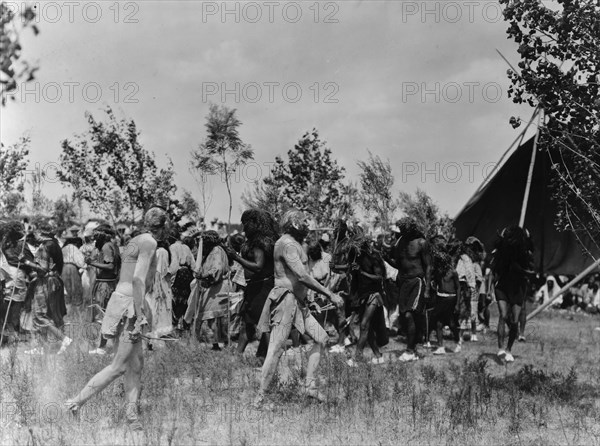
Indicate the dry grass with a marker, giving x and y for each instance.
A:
(191, 395)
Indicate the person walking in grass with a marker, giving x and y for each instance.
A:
(125, 317)
(256, 258)
(470, 276)
(370, 274)
(108, 265)
(512, 266)
(286, 305)
(411, 256)
(447, 287)
(46, 293)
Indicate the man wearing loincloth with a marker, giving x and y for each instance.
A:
(512, 266)
(125, 318)
(411, 255)
(286, 305)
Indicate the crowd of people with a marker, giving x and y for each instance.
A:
(277, 283)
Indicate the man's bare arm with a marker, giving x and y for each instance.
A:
(292, 256)
(146, 251)
(256, 266)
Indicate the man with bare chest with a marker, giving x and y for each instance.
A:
(125, 318)
(286, 305)
(411, 255)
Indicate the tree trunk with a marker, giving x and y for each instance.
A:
(226, 171)
(230, 203)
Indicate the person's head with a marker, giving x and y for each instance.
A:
(190, 242)
(514, 244)
(210, 239)
(475, 249)
(12, 231)
(341, 229)
(31, 239)
(46, 230)
(75, 241)
(295, 223)
(314, 251)
(409, 229)
(102, 235)
(236, 241)
(258, 223)
(157, 223)
(324, 241)
(174, 235)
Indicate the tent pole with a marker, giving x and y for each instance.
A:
(565, 288)
(519, 138)
(529, 175)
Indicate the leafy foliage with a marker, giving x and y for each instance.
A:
(376, 194)
(13, 162)
(310, 180)
(12, 67)
(223, 151)
(12, 203)
(64, 211)
(109, 169)
(266, 197)
(190, 206)
(560, 73)
(426, 214)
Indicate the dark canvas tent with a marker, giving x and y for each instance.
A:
(498, 204)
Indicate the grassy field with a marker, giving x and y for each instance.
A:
(191, 395)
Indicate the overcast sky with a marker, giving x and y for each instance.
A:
(418, 83)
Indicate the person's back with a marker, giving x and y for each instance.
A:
(110, 254)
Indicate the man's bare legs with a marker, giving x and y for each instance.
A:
(278, 338)
(522, 321)
(367, 334)
(514, 327)
(133, 381)
(503, 320)
(279, 335)
(128, 361)
(510, 317)
(314, 357)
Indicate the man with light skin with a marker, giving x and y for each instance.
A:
(287, 307)
(124, 318)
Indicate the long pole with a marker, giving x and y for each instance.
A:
(560, 292)
(517, 141)
(529, 175)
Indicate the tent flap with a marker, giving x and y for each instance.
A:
(498, 204)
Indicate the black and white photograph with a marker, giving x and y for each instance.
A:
(312, 222)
